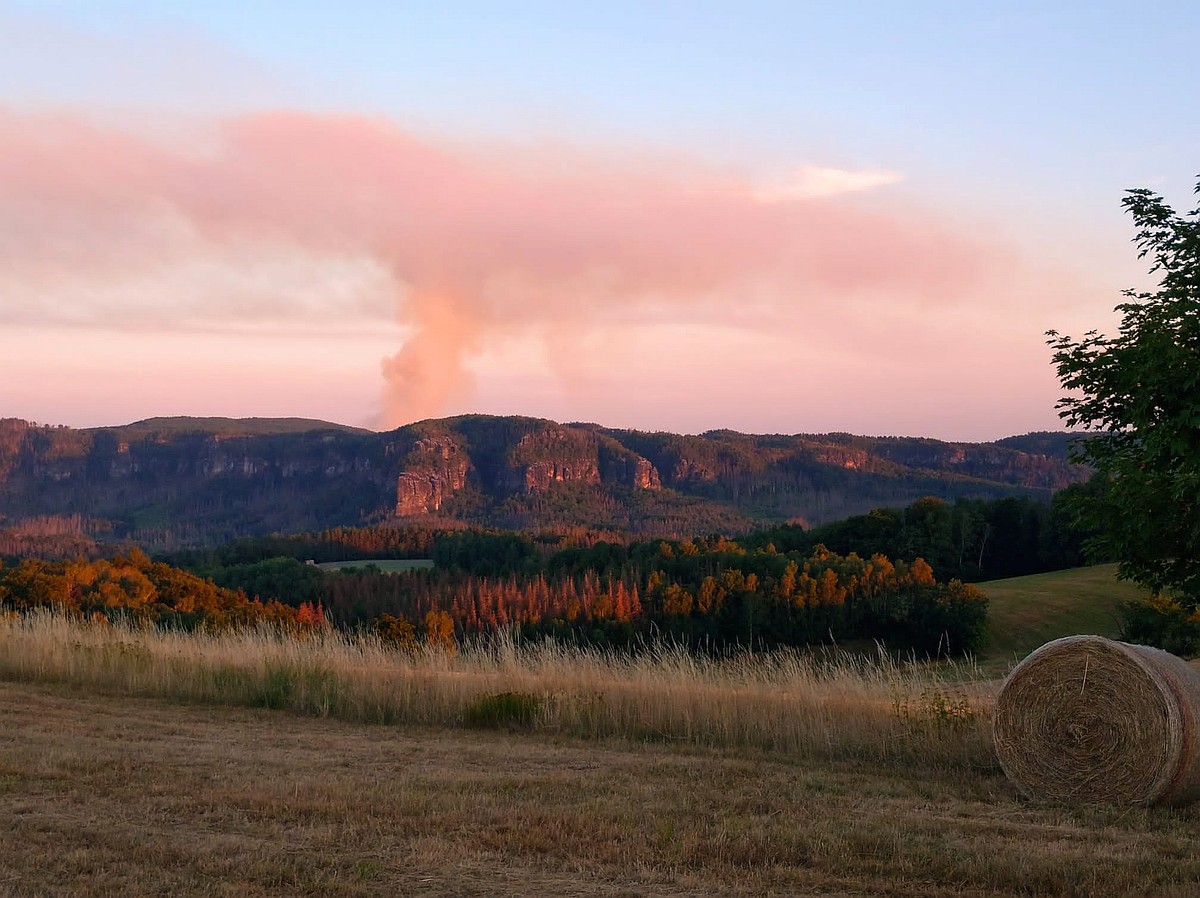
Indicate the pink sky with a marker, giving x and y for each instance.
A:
(684, 217)
(343, 267)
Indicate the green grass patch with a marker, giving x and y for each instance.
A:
(384, 564)
(1026, 612)
(514, 710)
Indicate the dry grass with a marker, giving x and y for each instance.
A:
(106, 796)
(841, 707)
(138, 762)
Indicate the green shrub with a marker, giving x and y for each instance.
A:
(1162, 622)
(503, 709)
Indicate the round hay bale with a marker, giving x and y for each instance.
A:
(1085, 719)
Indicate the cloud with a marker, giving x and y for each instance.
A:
(48, 58)
(270, 216)
(814, 181)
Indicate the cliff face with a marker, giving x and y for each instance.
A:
(533, 459)
(175, 482)
(554, 454)
(435, 469)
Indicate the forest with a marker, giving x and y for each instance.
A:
(132, 586)
(900, 577)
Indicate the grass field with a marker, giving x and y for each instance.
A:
(815, 706)
(1025, 612)
(384, 564)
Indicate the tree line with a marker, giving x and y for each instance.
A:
(704, 591)
(133, 586)
(897, 576)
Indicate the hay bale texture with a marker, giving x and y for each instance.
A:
(1088, 720)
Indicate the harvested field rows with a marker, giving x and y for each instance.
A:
(120, 796)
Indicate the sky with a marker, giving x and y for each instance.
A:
(768, 217)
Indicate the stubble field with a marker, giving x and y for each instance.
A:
(112, 796)
(138, 763)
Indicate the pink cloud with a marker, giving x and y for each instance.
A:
(477, 245)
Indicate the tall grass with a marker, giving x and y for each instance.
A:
(829, 706)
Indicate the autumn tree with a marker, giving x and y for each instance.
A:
(439, 630)
(1139, 395)
(396, 631)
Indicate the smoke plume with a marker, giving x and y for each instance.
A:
(473, 243)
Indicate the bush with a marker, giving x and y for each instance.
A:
(514, 710)
(1161, 622)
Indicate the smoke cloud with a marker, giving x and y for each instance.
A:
(468, 245)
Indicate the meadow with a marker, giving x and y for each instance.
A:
(823, 705)
(136, 761)
(1026, 612)
(384, 564)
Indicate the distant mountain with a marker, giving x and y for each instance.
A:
(226, 426)
(177, 481)
(1043, 442)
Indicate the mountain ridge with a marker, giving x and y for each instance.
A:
(254, 426)
(180, 481)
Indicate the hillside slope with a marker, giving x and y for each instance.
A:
(1026, 612)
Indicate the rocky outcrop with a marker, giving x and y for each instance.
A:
(172, 481)
(620, 466)
(539, 456)
(435, 469)
(645, 475)
(850, 459)
(553, 454)
(541, 475)
(224, 463)
(419, 493)
(687, 469)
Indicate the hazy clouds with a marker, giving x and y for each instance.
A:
(304, 220)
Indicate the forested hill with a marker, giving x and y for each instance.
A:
(179, 481)
(226, 427)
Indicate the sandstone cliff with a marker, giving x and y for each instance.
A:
(434, 470)
(173, 481)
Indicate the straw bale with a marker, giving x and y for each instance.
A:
(1085, 719)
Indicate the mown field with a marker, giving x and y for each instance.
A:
(135, 762)
(111, 796)
(1026, 612)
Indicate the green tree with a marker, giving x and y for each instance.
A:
(1139, 393)
(927, 532)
